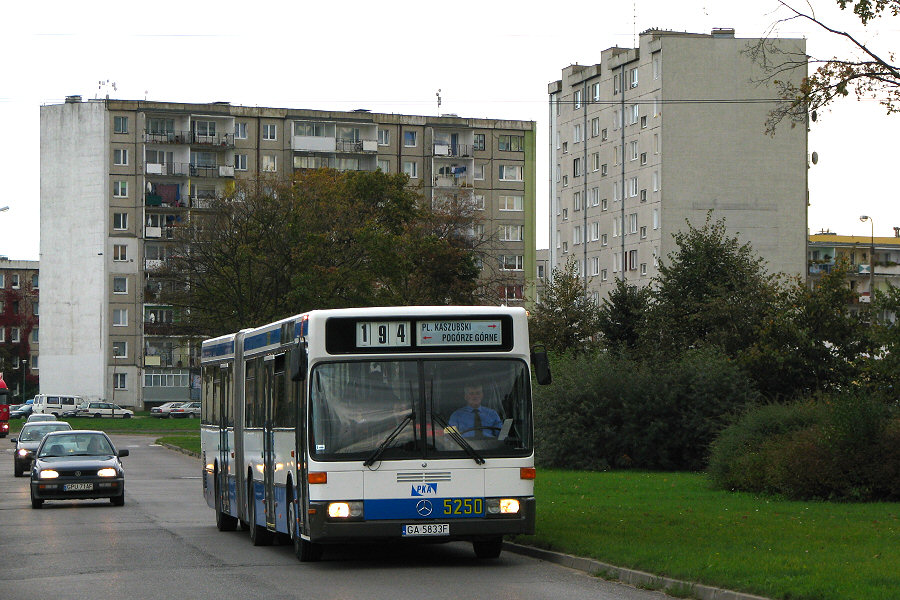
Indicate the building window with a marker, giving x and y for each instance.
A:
(35, 335)
(603, 276)
(120, 124)
(120, 349)
(2, 334)
(512, 233)
(577, 198)
(595, 196)
(632, 223)
(655, 218)
(643, 268)
(604, 204)
(384, 165)
(120, 285)
(643, 232)
(595, 265)
(576, 235)
(595, 126)
(14, 281)
(120, 221)
(565, 180)
(577, 98)
(384, 137)
(595, 161)
(616, 84)
(656, 70)
(576, 166)
(240, 162)
(511, 262)
(512, 143)
(35, 308)
(604, 135)
(643, 195)
(14, 335)
(240, 131)
(565, 214)
(119, 381)
(632, 187)
(120, 317)
(635, 114)
(656, 143)
(120, 189)
(632, 260)
(604, 170)
(595, 232)
(656, 184)
(511, 172)
(34, 281)
(120, 157)
(479, 202)
(34, 362)
(634, 77)
(595, 92)
(479, 142)
(269, 163)
(643, 158)
(120, 252)
(644, 122)
(634, 151)
(604, 239)
(576, 134)
(410, 139)
(411, 168)
(565, 147)
(511, 203)
(270, 132)
(157, 126)
(478, 175)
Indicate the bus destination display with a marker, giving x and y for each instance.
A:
(459, 333)
(391, 334)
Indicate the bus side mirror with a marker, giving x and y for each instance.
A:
(541, 365)
(299, 362)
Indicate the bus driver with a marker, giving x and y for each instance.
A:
(474, 420)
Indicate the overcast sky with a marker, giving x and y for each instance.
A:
(489, 59)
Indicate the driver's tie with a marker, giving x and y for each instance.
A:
(479, 432)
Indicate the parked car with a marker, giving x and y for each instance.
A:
(22, 412)
(188, 410)
(40, 417)
(77, 464)
(55, 405)
(162, 411)
(28, 441)
(103, 409)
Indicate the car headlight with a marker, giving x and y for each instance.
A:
(345, 510)
(22, 452)
(107, 472)
(49, 474)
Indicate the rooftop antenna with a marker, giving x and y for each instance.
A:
(106, 84)
(634, 22)
(438, 94)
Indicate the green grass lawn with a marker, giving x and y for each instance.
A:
(188, 442)
(674, 524)
(140, 423)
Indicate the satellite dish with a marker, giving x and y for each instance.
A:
(815, 158)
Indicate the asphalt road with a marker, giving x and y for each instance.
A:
(164, 544)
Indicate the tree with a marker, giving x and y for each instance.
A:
(326, 239)
(565, 319)
(865, 72)
(808, 342)
(711, 291)
(621, 316)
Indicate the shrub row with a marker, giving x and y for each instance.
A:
(843, 447)
(605, 411)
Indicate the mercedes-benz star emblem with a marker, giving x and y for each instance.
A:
(424, 508)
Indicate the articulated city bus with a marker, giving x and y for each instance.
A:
(372, 424)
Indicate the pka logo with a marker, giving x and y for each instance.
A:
(424, 489)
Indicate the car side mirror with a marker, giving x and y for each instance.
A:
(123, 453)
(541, 365)
(299, 362)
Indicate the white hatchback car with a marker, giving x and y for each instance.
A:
(103, 409)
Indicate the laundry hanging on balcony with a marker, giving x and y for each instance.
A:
(458, 170)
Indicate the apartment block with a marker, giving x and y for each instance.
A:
(656, 136)
(19, 326)
(118, 176)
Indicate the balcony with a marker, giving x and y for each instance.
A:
(452, 150)
(223, 140)
(172, 169)
(211, 170)
(355, 146)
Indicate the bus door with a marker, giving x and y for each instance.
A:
(223, 397)
(269, 440)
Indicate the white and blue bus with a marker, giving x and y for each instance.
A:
(370, 424)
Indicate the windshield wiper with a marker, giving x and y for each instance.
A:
(390, 438)
(456, 437)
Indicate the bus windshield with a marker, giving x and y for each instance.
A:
(433, 409)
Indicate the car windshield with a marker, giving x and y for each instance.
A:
(420, 408)
(34, 433)
(76, 444)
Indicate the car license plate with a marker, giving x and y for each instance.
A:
(77, 487)
(426, 529)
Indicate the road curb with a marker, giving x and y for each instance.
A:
(629, 576)
(177, 449)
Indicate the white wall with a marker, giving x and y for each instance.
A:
(74, 205)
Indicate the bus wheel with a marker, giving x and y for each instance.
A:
(488, 548)
(224, 521)
(259, 536)
(304, 550)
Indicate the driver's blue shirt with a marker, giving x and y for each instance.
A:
(463, 419)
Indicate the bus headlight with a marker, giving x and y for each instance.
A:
(345, 510)
(49, 474)
(501, 506)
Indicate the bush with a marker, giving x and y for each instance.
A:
(606, 411)
(843, 447)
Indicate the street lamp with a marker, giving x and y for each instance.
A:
(865, 218)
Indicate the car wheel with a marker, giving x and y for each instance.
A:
(118, 500)
(126, 416)
(489, 548)
(191, 416)
(36, 502)
(97, 416)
